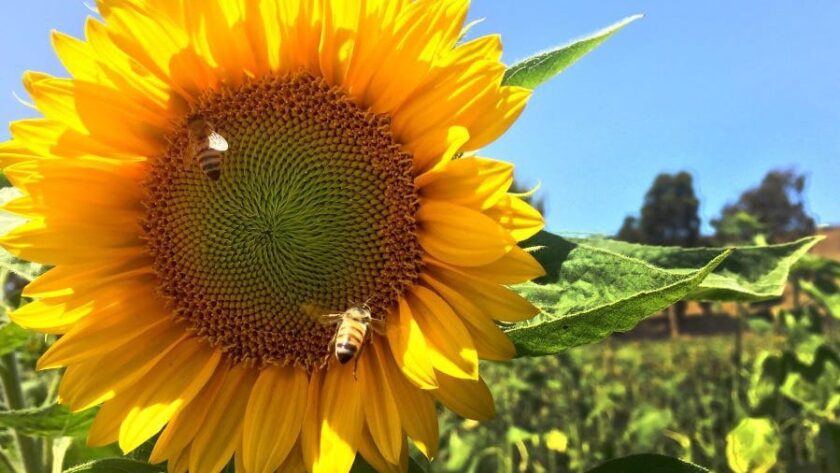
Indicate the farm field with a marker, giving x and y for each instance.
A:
(676, 397)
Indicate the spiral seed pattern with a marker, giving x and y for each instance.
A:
(314, 212)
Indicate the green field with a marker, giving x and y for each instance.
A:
(677, 397)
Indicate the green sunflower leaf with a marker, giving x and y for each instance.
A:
(539, 68)
(49, 421)
(591, 292)
(12, 336)
(752, 446)
(751, 273)
(595, 287)
(648, 463)
(115, 465)
(825, 295)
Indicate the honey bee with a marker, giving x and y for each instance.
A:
(355, 327)
(206, 147)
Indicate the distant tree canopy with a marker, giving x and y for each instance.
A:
(775, 209)
(668, 215)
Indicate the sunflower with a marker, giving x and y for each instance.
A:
(191, 307)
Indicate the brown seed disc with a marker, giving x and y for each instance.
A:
(313, 213)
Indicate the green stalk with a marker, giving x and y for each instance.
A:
(6, 462)
(14, 399)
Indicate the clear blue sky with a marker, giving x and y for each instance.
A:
(725, 90)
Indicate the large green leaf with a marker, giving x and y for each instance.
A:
(12, 336)
(595, 287)
(826, 295)
(648, 463)
(591, 292)
(541, 67)
(116, 465)
(752, 446)
(816, 388)
(50, 421)
(751, 273)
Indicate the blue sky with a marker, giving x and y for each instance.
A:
(725, 90)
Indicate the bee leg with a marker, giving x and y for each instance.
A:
(355, 368)
(377, 326)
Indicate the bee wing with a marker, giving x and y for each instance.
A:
(321, 314)
(378, 326)
(217, 142)
(330, 319)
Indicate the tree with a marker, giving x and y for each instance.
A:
(668, 216)
(630, 231)
(776, 208)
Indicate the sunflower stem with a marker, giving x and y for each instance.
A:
(7, 462)
(14, 400)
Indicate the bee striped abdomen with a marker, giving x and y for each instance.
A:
(210, 161)
(207, 147)
(349, 339)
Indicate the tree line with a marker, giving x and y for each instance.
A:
(774, 210)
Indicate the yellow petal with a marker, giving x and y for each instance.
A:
(519, 218)
(310, 434)
(301, 21)
(210, 450)
(105, 428)
(488, 125)
(437, 147)
(486, 47)
(216, 30)
(417, 410)
(369, 450)
(409, 347)
(423, 30)
(515, 267)
(341, 18)
(460, 236)
(273, 418)
(451, 347)
(458, 97)
(91, 382)
(498, 301)
(13, 152)
(53, 316)
(470, 399)
(180, 462)
(490, 342)
(114, 312)
(171, 384)
(179, 433)
(380, 407)
(62, 243)
(477, 183)
(77, 279)
(121, 323)
(294, 461)
(123, 71)
(143, 33)
(78, 58)
(342, 420)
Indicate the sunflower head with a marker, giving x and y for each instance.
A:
(314, 209)
(217, 180)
